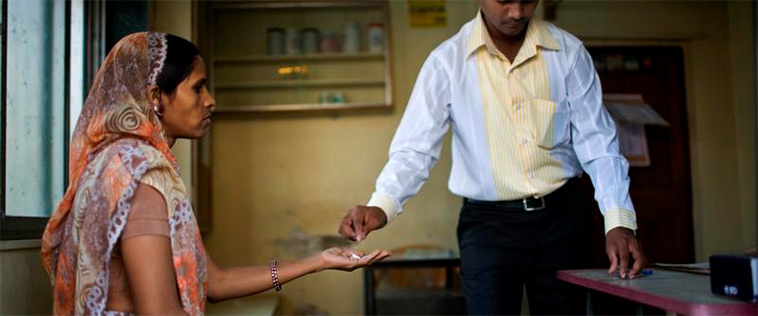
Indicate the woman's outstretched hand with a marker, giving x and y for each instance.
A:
(349, 260)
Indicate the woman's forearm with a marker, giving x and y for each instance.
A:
(228, 283)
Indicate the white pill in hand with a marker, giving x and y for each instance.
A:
(355, 257)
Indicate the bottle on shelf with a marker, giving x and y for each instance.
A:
(324, 97)
(339, 97)
(292, 40)
(375, 37)
(328, 42)
(309, 38)
(351, 42)
(275, 41)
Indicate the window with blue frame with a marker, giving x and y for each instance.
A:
(50, 51)
(35, 92)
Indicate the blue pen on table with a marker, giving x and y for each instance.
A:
(643, 273)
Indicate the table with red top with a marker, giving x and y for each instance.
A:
(675, 292)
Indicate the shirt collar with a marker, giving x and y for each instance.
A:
(537, 34)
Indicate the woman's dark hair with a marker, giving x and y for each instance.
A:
(180, 58)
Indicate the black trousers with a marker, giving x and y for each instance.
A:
(504, 249)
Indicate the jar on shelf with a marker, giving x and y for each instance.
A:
(309, 38)
(275, 41)
(352, 38)
(324, 97)
(375, 37)
(292, 41)
(328, 42)
(339, 97)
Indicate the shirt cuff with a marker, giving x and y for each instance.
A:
(386, 203)
(620, 218)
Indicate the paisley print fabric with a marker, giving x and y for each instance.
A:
(118, 143)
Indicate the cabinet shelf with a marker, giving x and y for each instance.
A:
(244, 78)
(296, 58)
(298, 83)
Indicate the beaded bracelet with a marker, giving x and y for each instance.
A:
(274, 275)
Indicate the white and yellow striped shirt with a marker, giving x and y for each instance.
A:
(520, 129)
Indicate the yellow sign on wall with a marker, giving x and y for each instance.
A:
(427, 13)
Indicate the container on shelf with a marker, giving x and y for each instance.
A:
(324, 97)
(375, 37)
(339, 97)
(292, 41)
(275, 41)
(309, 38)
(328, 42)
(352, 38)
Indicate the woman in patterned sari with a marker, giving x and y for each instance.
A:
(124, 239)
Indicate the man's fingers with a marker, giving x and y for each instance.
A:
(639, 259)
(346, 229)
(357, 224)
(360, 221)
(613, 259)
(623, 253)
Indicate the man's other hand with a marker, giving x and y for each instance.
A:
(619, 243)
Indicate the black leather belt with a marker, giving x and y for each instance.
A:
(535, 203)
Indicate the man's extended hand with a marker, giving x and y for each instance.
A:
(619, 242)
(361, 220)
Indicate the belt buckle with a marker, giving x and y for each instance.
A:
(536, 208)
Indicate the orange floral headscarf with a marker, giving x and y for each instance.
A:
(105, 155)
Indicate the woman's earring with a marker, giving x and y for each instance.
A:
(158, 109)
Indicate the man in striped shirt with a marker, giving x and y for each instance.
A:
(525, 106)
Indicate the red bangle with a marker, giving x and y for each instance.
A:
(274, 275)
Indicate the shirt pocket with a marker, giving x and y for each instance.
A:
(549, 123)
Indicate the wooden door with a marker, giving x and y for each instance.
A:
(661, 192)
